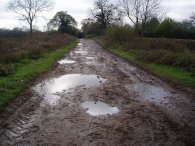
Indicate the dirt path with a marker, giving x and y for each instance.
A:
(94, 98)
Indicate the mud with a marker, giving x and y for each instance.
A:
(99, 99)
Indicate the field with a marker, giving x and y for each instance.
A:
(23, 59)
(171, 59)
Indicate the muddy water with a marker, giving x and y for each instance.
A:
(50, 88)
(149, 92)
(95, 98)
(66, 61)
(69, 81)
(99, 108)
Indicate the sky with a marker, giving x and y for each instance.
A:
(79, 9)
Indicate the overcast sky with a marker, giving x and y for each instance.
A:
(79, 9)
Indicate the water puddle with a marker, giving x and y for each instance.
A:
(66, 61)
(79, 44)
(50, 89)
(99, 108)
(66, 82)
(81, 52)
(91, 58)
(149, 92)
(94, 62)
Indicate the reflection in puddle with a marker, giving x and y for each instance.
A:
(79, 44)
(66, 61)
(149, 92)
(99, 108)
(94, 62)
(66, 82)
(91, 58)
(81, 52)
(50, 88)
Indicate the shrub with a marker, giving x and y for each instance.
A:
(119, 34)
(35, 54)
(6, 69)
(92, 29)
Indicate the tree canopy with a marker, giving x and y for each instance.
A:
(106, 13)
(64, 22)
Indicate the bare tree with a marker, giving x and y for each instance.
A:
(28, 10)
(192, 18)
(106, 13)
(141, 11)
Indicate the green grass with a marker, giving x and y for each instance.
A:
(175, 75)
(28, 69)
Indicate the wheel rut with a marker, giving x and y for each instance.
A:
(95, 98)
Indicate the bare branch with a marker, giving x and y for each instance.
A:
(105, 13)
(28, 10)
(141, 11)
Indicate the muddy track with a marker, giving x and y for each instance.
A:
(95, 98)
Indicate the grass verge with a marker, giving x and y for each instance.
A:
(171, 74)
(28, 69)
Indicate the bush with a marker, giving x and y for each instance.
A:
(119, 34)
(92, 29)
(35, 54)
(172, 52)
(80, 34)
(6, 69)
(184, 60)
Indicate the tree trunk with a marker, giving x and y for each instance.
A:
(137, 26)
(31, 29)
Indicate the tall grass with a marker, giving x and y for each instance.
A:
(172, 52)
(14, 50)
(171, 59)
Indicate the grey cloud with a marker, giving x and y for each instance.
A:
(79, 9)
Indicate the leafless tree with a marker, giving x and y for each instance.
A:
(106, 13)
(28, 10)
(192, 18)
(141, 11)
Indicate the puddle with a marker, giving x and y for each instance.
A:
(79, 44)
(94, 62)
(51, 99)
(149, 92)
(99, 108)
(66, 61)
(51, 88)
(81, 52)
(66, 82)
(91, 58)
